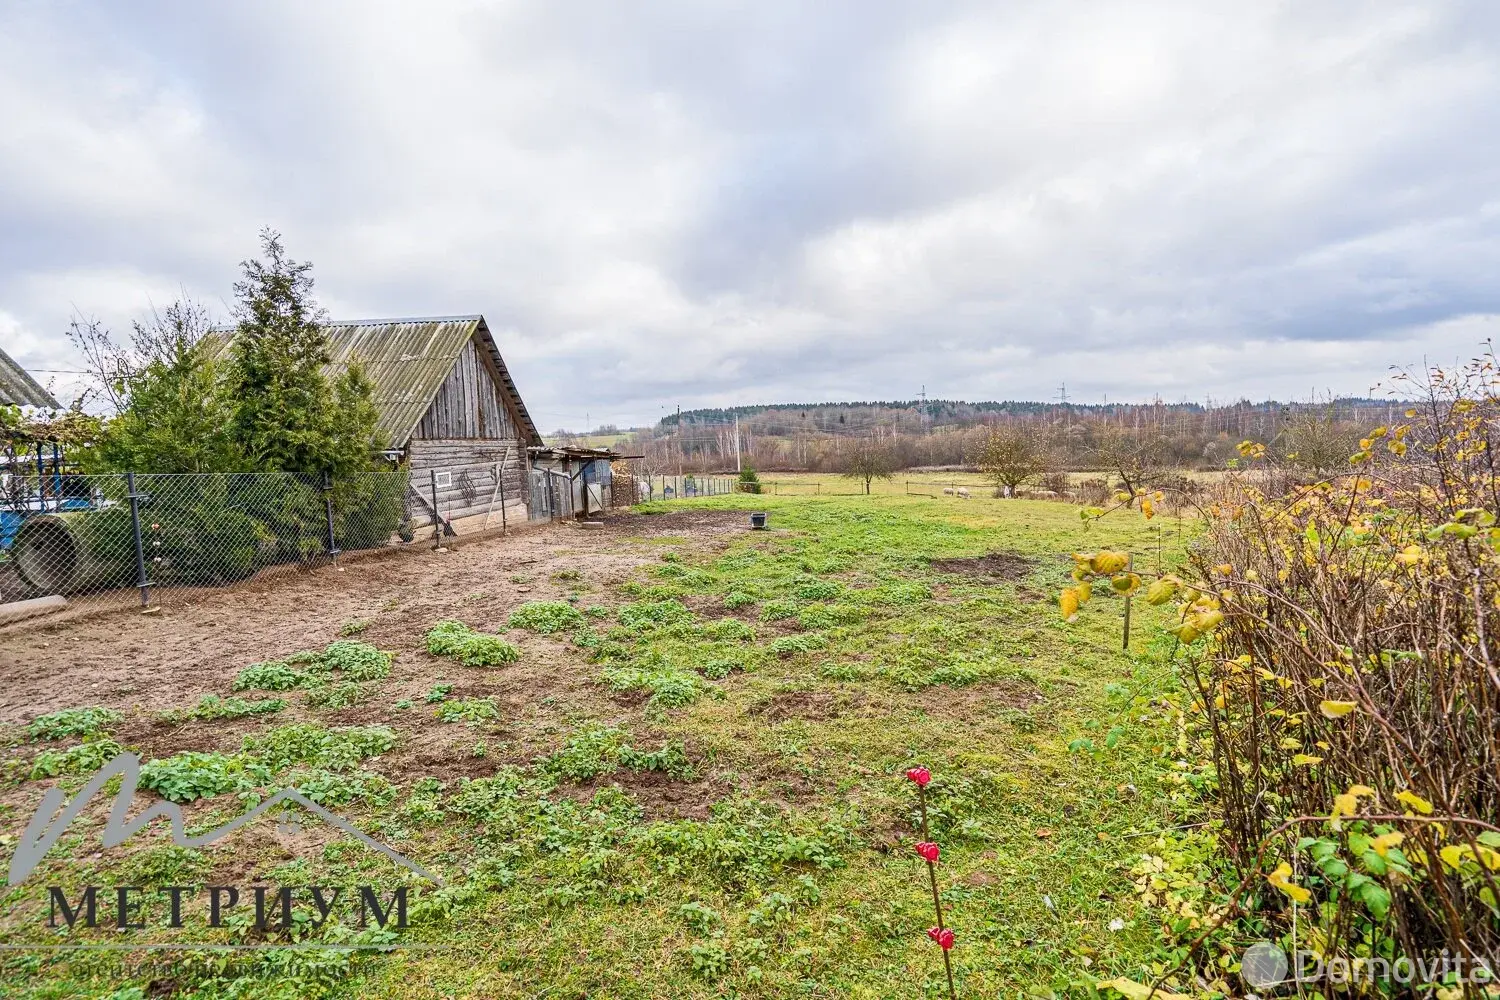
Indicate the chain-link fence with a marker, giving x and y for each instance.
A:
(681, 487)
(118, 536)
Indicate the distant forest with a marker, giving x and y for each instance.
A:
(818, 437)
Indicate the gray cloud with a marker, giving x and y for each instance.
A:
(711, 204)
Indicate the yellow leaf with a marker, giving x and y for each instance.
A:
(1085, 590)
(1209, 620)
(1107, 563)
(1347, 804)
(1125, 583)
(1386, 841)
(1416, 802)
(1067, 602)
(1336, 709)
(1409, 555)
(1453, 855)
(1281, 879)
(1306, 759)
(1161, 590)
(1132, 990)
(1148, 508)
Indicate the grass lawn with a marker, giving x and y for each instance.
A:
(725, 815)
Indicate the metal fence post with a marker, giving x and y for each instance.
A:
(1125, 642)
(437, 528)
(135, 529)
(333, 545)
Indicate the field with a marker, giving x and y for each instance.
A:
(682, 777)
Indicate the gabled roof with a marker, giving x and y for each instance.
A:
(407, 361)
(17, 388)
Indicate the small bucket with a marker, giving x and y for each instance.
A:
(758, 520)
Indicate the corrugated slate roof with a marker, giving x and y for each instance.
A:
(408, 359)
(17, 388)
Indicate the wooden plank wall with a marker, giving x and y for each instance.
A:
(468, 405)
(474, 461)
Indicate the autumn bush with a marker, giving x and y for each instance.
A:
(1347, 676)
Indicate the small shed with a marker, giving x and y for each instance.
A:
(568, 482)
(448, 408)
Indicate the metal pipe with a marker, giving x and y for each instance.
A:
(135, 529)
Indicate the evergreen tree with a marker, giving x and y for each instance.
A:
(289, 416)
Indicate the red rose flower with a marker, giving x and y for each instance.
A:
(920, 775)
(944, 939)
(928, 850)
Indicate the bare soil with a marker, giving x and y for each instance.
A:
(999, 566)
(195, 644)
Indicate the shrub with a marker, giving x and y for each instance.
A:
(72, 722)
(748, 482)
(471, 648)
(546, 617)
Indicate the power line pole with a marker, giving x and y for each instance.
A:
(679, 441)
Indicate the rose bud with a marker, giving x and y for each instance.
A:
(920, 775)
(928, 850)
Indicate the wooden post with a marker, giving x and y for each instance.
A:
(503, 527)
(1125, 643)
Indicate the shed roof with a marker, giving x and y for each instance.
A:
(18, 388)
(407, 361)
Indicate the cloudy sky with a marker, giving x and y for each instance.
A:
(701, 203)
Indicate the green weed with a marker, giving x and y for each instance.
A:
(471, 648)
(546, 617)
(74, 722)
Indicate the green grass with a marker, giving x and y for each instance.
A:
(773, 691)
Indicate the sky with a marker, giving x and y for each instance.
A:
(706, 204)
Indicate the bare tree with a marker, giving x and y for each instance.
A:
(1135, 456)
(869, 460)
(1010, 455)
(1318, 442)
(164, 339)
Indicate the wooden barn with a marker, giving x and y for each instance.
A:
(448, 407)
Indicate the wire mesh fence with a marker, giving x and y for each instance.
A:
(136, 537)
(682, 487)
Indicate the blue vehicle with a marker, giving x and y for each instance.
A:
(28, 489)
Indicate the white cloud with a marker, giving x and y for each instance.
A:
(715, 203)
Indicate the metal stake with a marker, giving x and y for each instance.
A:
(333, 545)
(437, 527)
(135, 529)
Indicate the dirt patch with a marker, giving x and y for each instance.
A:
(678, 522)
(660, 795)
(197, 642)
(815, 705)
(1001, 566)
